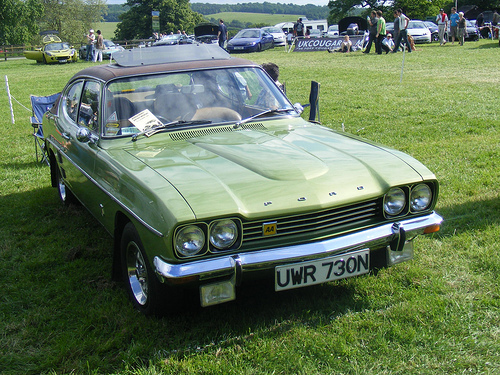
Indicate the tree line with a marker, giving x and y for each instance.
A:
(312, 12)
(22, 20)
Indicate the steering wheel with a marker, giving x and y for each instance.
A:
(216, 114)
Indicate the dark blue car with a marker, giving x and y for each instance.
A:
(250, 40)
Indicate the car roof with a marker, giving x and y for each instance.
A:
(151, 60)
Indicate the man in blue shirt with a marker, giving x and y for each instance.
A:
(454, 24)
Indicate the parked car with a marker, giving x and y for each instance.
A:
(109, 48)
(53, 51)
(333, 31)
(419, 31)
(433, 28)
(206, 32)
(278, 35)
(472, 31)
(203, 185)
(250, 40)
(314, 33)
(172, 39)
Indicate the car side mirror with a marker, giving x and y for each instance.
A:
(299, 108)
(84, 135)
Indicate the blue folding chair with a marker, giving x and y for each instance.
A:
(40, 105)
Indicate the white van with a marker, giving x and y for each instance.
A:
(321, 25)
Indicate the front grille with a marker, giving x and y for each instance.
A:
(325, 223)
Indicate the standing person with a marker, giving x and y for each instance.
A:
(480, 20)
(403, 32)
(395, 34)
(462, 27)
(442, 21)
(454, 24)
(90, 45)
(372, 22)
(222, 34)
(298, 28)
(99, 46)
(380, 32)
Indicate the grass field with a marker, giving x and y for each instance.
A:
(254, 18)
(107, 29)
(60, 313)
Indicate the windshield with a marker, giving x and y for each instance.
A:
(195, 97)
(171, 37)
(272, 30)
(56, 46)
(416, 25)
(248, 34)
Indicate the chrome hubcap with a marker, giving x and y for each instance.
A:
(137, 273)
(62, 190)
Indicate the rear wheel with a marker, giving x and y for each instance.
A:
(65, 195)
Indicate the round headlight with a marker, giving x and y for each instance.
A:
(420, 197)
(394, 201)
(189, 241)
(223, 233)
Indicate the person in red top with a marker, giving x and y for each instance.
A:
(442, 21)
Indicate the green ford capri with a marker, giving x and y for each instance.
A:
(207, 177)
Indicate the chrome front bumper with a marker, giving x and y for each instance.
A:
(394, 235)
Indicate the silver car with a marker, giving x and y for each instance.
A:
(278, 35)
(419, 31)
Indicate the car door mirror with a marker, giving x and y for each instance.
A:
(84, 135)
(298, 107)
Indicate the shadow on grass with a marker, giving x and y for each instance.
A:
(476, 215)
(493, 44)
(62, 255)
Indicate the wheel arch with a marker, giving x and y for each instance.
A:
(53, 166)
(120, 221)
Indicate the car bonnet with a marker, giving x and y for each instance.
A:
(295, 168)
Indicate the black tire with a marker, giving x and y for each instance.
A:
(259, 47)
(143, 286)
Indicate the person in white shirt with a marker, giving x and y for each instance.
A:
(442, 21)
(346, 45)
(388, 43)
(403, 32)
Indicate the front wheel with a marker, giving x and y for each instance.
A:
(142, 285)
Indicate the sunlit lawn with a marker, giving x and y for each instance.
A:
(438, 314)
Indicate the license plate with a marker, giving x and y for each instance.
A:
(320, 271)
(239, 47)
(63, 61)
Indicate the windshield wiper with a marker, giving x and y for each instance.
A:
(158, 128)
(260, 114)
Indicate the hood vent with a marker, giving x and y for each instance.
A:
(182, 136)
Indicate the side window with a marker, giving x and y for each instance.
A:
(88, 115)
(71, 100)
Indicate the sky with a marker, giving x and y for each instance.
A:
(297, 2)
